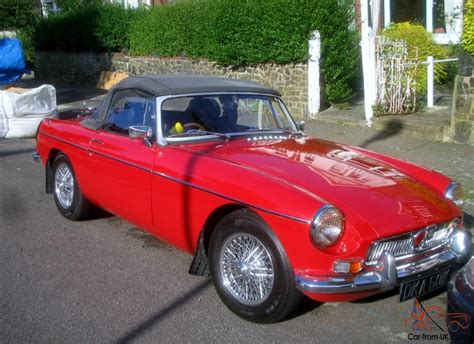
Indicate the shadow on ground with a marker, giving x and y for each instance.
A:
(154, 319)
(307, 305)
(16, 152)
(392, 128)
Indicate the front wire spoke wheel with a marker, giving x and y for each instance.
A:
(250, 269)
(247, 269)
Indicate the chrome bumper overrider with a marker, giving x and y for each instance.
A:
(389, 272)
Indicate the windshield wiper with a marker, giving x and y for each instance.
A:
(292, 133)
(197, 132)
(285, 131)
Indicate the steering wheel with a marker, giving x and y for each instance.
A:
(193, 126)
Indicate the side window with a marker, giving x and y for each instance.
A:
(256, 113)
(127, 109)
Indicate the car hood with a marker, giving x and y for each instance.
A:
(388, 200)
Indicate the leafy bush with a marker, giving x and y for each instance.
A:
(468, 34)
(420, 44)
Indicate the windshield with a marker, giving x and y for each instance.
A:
(223, 114)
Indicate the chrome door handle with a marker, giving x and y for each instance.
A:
(100, 142)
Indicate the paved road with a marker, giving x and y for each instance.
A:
(105, 281)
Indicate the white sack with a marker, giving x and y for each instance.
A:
(21, 113)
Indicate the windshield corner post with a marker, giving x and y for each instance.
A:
(160, 138)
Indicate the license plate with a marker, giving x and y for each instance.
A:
(424, 285)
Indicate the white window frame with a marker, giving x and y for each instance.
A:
(453, 26)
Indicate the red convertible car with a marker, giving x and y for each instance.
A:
(219, 168)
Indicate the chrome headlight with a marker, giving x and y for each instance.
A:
(455, 193)
(327, 226)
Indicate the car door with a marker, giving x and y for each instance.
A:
(120, 167)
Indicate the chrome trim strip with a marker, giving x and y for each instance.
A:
(267, 137)
(160, 174)
(231, 198)
(131, 164)
(64, 141)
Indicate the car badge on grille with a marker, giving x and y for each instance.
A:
(419, 239)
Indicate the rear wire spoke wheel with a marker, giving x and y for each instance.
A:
(250, 269)
(64, 184)
(68, 197)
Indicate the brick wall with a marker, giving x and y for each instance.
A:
(290, 80)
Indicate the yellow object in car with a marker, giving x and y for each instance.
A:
(177, 128)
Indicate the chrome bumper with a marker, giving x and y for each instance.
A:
(389, 272)
(37, 157)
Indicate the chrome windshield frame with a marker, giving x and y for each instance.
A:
(163, 141)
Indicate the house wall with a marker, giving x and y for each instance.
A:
(85, 68)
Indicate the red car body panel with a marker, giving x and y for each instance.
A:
(172, 191)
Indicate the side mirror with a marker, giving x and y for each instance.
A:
(300, 125)
(140, 132)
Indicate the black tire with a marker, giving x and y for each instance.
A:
(79, 207)
(281, 298)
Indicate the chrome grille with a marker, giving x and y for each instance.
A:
(402, 245)
(399, 247)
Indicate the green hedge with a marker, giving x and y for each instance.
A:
(18, 14)
(230, 32)
(235, 32)
(88, 26)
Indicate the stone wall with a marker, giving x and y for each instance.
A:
(290, 80)
(462, 119)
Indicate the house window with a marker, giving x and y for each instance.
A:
(439, 17)
(408, 11)
(442, 17)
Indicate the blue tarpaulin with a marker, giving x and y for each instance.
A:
(12, 60)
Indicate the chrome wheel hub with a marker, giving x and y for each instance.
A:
(64, 185)
(246, 268)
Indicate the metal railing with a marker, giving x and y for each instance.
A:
(430, 77)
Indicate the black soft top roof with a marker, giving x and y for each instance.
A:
(174, 84)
